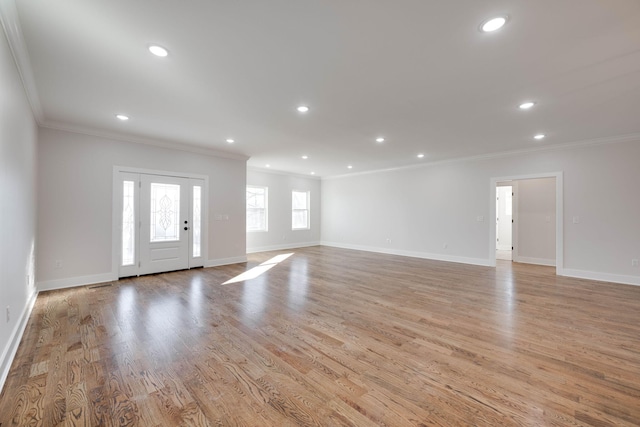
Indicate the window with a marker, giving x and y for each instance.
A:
(128, 223)
(196, 222)
(300, 210)
(257, 208)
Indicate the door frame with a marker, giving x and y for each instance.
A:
(559, 215)
(116, 209)
(513, 185)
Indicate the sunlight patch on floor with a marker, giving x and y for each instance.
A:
(258, 270)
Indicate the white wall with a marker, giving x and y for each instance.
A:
(536, 227)
(425, 208)
(18, 134)
(75, 197)
(279, 234)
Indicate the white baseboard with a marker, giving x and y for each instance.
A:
(281, 247)
(225, 261)
(70, 282)
(602, 277)
(423, 255)
(536, 261)
(14, 340)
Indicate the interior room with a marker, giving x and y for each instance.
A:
(331, 213)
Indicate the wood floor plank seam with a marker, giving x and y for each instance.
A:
(332, 337)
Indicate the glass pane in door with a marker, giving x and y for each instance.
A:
(128, 223)
(197, 222)
(165, 212)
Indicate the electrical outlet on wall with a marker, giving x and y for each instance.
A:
(58, 264)
(8, 314)
(634, 262)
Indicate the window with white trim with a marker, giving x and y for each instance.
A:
(257, 202)
(300, 210)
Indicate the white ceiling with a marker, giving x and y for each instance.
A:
(418, 72)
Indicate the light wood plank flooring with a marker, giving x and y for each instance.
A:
(332, 337)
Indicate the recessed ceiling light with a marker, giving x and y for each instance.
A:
(350, 167)
(158, 50)
(313, 173)
(527, 105)
(380, 139)
(267, 165)
(305, 157)
(122, 117)
(420, 155)
(493, 24)
(539, 136)
(303, 109)
(231, 141)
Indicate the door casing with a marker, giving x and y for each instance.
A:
(118, 172)
(559, 216)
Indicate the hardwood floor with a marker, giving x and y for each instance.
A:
(332, 337)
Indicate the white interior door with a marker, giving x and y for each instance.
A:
(163, 225)
(504, 216)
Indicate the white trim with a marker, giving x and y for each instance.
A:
(204, 221)
(559, 263)
(116, 198)
(412, 254)
(500, 154)
(266, 208)
(257, 249)
(536, 261)
(116, 209)
(308, 209)
(276, 172)
(71, 282)
(601, 277)
(118, 169)
(13, 30)
(515, 221)
(116, 250)
(170, 145)
(225, 261)
(11, 348)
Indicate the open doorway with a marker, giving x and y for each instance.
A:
(504, 221)
(537, 227)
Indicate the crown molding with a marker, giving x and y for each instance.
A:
(9, 18)
(13, 31)
(502, 154)
(277, 172)
(171, 145)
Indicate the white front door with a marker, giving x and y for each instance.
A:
(164, 229)
(162, 223)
